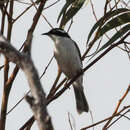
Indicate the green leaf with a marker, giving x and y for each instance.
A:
(108, 15)
(63, 11)
(69, 14)
(115, 22)
(116, 36)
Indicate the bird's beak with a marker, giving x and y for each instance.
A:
(45, 33)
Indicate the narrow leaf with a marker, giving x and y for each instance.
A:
(108, 15)
(71, 12)
(63, 11)
(115, 22)
(116, 36)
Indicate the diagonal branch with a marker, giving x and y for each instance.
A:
(59, 93)
(9, 82)
(99, 122)
(118, 105)
(37, 101)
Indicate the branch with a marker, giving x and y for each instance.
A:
(29, 90)
(60, 92)
(26, 46)
(99, 122)
(37, 101)
(6, 88)
(121, 115)
(87, 67)
(118, 105)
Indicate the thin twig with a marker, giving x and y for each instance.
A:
(47, 67)
(125, 50)
(22, 13)
(16, 69)
(7, 88)
(85, 69)
(17, 103)
(115, 6)
(37, 101)
(70, 121)
(42, 15)
(53, 88)
(121, 115)
(94, 53)
(19, 1)
(29, 90)
(90, 45)
(99, 122)
(70, 25)
(117, 107)
(94, 13)
(3, 10)
(128, 52)
(88, 66)
(91, 114)
(1, 67)
(51, 5)
(126, 4)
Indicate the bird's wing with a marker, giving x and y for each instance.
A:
(78, 50)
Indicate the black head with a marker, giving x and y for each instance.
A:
(57, 32)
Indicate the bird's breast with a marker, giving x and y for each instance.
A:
(67, 58)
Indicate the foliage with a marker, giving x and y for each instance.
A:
(115, 19)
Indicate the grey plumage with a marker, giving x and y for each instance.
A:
(68, 58)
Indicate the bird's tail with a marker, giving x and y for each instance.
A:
(81, 102)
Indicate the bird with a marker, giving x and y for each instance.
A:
(68, 57)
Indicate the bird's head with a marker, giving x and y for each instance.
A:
(57, 33)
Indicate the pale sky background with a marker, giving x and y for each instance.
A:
(104, 83)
